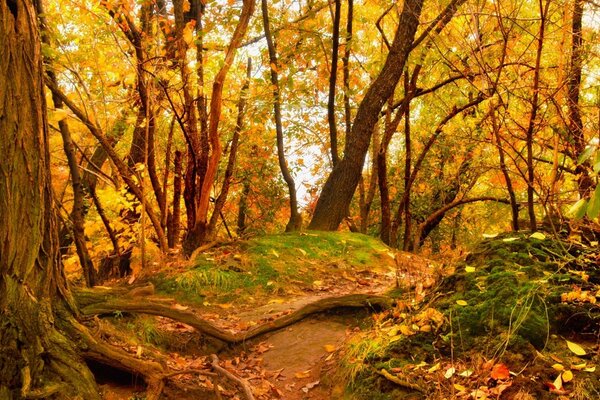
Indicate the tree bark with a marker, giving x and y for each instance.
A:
(531, 128)
(241, 109)
(335, 198)
(38, 360)
(332, 83)
(78, 212)
(295, 222)
(584, 182)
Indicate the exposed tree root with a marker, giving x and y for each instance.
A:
(242, 383)
(102, 303)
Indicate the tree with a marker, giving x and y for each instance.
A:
(295, 222)
(339, 188)
(38, 360)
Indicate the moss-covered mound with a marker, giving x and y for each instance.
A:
(279, 265)
(512, 302)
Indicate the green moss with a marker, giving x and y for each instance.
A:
(273, 264)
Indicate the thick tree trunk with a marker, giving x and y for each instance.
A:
(37, 359)
(334, 201)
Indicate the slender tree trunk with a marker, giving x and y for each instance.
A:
(198, 227)
(295, 222)
(531, 127)
(346, 68)
(38, 360)
(174, 223)
(332, 83)
(78, 211)
(584, 182)
(335, 198)
(407, 169)
(243, 207)
(241, 109)
(514, 206)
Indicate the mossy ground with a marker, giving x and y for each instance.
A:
(502, 305)
(276, 265)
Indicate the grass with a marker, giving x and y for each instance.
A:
(272, 265)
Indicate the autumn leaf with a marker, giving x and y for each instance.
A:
(302, 374)
(567, 376)
(449, 372)
(575, 348)
(329, 348)
(461, 302)
(500, 371)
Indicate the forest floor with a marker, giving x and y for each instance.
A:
(340, 316)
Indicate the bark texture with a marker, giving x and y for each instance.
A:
(339, 188)
(38, 361)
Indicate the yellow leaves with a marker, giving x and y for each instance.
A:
(558, 367)
(575, 348)
(538, 236)
(188, 33)
(302, 374)
(435, 368)
(578, 295)
(567, 376)
(469, 269)
(449, 372)
(461, 303)
(329, 348)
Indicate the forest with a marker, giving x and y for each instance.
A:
(299, 199)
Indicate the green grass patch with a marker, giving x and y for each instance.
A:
(273, 265)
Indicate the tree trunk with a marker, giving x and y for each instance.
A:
(174, 222)
(584, 182)
(295, 222)
(332, 83)
(531, 128)
(37, 359)
(514, 206)
(241, 109)
(334, 201)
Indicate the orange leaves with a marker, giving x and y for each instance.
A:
(500, 372)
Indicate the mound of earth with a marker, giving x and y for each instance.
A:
(517, 320)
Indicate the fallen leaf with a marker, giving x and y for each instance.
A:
(590, 369)
(467, 373)
(276, 254)
(460, 388)
(567, 376)
(302, 251)
(579, 367)
(500, 371)
(557, 383)
(138, 352)
(309, 386)
(575, 348)
(329, 348)
(512, 239)
(558, 367)
(537, 235)
(436, 367)
(303, 374)
(449, 372)
(479, 394)
(225, 306)
(180, 307)
(461, 303)
(469, 269)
